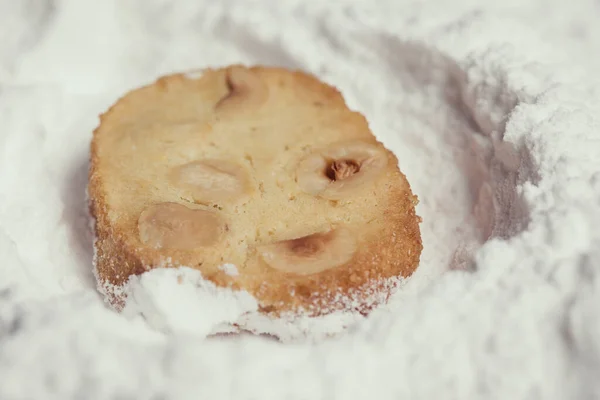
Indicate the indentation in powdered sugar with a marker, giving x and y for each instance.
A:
(477, 165)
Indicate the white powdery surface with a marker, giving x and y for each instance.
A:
(493, 112)
(180, 301)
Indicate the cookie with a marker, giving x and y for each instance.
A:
(260, 168)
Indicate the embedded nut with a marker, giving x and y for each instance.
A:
(173, 226)
(246, 90)
(341, 169)
(335, 172)
(310, 254)
(211, 180)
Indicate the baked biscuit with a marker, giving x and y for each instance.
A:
(259, 167)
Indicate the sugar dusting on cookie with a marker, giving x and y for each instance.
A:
(516, 318)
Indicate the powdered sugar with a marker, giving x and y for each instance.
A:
(484, 104)
(179, 300)
(182, 300)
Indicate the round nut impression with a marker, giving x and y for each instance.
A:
(311, 254)
(337, 171)
(174, 226)
(245, 91)
(211, 180)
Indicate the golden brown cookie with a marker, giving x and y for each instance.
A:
(260, 167)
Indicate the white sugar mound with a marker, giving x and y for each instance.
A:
(180, 301)
(183, 300)
(492, 110)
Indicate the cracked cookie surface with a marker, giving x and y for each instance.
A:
(259, 167)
